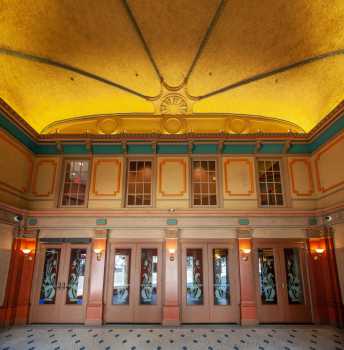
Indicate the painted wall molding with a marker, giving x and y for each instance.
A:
(40, 163)
(162, 164)
(308, 173)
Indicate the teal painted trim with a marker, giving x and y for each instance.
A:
(244, 148)
(237, 148)
(17, 133)
(107, 149)
(171, 221)
(312, 221)
(46, 149)
(75, 149)
(244, 221)
(32, 221)
(172, 149)
(298, 148)
(140, 149)
(206, 148)
(327, 134)
(101, 221)
(271, 148)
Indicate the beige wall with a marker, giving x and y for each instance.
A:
(6, 239)
(339, 245)
(310, 182)
(16, 164)
(328, 168)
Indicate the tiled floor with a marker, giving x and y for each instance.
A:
(183, 338)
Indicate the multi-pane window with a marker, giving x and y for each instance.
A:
(270, 183)
(204, 183)
(75, 183)
(139, 183)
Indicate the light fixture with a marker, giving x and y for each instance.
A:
(26, 251)
(172, 252)
(245, 252)
(98, 252)
(318, 252)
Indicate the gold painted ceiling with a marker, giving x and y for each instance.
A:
(110, 66)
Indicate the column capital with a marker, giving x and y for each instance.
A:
(319, 232)
(172, 233)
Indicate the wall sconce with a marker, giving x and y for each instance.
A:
(98, 252)
(318, 253)
(245, 252)
(26, 252)
(172, 252)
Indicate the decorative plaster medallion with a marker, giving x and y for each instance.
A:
(108, 126)
(173, 104)
(237, 125)
(173, 125)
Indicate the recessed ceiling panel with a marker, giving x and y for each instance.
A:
(174, 31)
(96, 36)
(252, 37)
(302, 96)
(42, 94)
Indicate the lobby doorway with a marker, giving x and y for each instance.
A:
(59, 292)
(133, 283)
(282, 282)
(210, 282)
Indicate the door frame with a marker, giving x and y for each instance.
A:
(211, 313)
(138, 313)
(283, 308)
(63, 273)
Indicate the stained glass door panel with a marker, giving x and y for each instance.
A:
(149, 276)
(194, 277)
(50, 276)
(220, 277)
(76, 276)
(267, 276)
(121, 277)
(195, 283)
(294, 277)
(223, 282)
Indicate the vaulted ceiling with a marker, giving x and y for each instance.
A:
(115, 65)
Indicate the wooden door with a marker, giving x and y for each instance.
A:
(282, 283)
(195, 290)
(223, 283)
(60, 284)
(133, 285)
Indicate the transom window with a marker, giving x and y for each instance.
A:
(204, 183)
(270, 183)
(75, 183)
(139, 183)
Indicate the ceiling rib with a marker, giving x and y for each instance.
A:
(267, 74)
(144, 43)
(48, 61)
(205, 39)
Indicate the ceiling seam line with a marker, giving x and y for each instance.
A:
(49, 62)
(143, 41)
(205, 39)
(264, 75)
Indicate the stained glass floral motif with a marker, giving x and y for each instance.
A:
(267, 276)
(221, 278)
(194, 277)
(121, 278)
(50, 275)
(294, 280)
(149, 276)
(76, 278)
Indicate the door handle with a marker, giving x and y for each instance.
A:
(283, 285)
(58, 286)
(63, 285)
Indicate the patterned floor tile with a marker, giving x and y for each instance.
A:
(182, 338)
